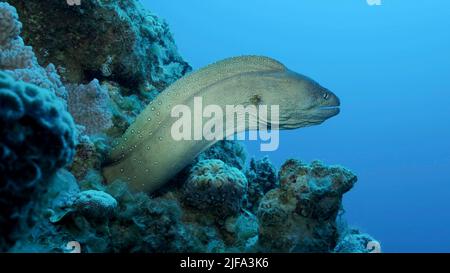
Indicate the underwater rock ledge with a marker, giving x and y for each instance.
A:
(220, 203)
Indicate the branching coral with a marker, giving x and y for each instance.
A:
(215, 187)
(90, 106)
(19, 60)
(37, 137)
(10, 26)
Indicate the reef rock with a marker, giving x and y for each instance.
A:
(134, 222)
(116, 40)
(262, 177)
(353, 241)
(229, 151)
(300, 216)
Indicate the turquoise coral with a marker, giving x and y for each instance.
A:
(37, 137)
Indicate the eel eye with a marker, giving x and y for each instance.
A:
(326, 96)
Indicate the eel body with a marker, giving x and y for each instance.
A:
(147, 155)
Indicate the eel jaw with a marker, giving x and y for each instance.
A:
(329, 111)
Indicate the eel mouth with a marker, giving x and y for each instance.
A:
(329, 111)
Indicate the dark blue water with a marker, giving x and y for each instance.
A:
(389, 64)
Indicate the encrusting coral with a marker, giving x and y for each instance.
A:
(37, 137)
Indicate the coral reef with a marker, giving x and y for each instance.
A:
(19, 60)
(262, 177)
(216, 187)
(124, 108)
(90, 107)
(95, 204)
(229, 151)
(244, 228)
(353, 241)
(116, 40)
(114, 58)
(300, 215)
(113, 219)
(37, 137)
(87, 157)
(120, 221)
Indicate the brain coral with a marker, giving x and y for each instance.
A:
(36, 138)
(216, 187)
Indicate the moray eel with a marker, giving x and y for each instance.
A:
(147, 156)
